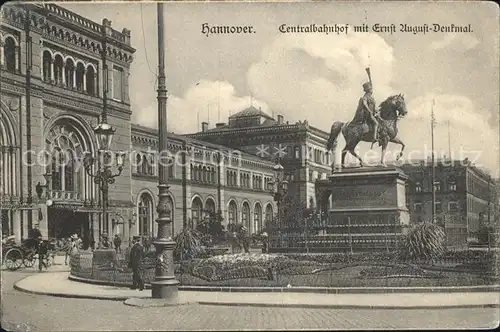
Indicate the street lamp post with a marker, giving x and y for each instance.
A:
(279, 188)
(103, 175)
(165, 285)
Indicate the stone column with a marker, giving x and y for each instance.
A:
(25, 222)
(95, 227)
(18, 51)
(43, 224)
(1, 53)
(52, 78)
(16, 221)
(96, 90)
(85, 80)
(8, 167)
(63, 70)
(74, 78)
(14, 165)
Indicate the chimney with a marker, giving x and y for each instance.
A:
(280, 119)
(204, 126)
(219, 125)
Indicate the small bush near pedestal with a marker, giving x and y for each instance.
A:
(423, 241)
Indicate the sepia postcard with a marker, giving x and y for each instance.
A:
(258, 165)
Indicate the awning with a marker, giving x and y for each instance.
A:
(61, 206)
(89, 209)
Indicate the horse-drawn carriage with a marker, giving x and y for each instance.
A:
(15, 256)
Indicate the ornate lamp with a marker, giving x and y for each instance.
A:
(104, 133)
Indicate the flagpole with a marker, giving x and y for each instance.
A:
(433, 122)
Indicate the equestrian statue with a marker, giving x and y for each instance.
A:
(370, 125)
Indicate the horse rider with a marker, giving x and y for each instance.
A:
(366, 110)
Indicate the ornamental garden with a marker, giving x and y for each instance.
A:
(213, 256)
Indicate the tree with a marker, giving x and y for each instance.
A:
(211, 228)
(188, 244)
(294, 211)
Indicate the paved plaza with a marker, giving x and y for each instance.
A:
(23, 311)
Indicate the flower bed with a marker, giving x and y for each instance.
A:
(402, 271)
(275, 270)
(235, 266)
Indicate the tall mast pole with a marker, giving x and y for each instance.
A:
(433, 122)
(165, 285)
(449, 140)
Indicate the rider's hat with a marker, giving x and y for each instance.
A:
(367, 85)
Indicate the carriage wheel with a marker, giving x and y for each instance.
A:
(13, 259)
(29, 260)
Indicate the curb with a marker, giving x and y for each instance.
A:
(320, 290)
(348, 306)
(71, 296)
(242, 304)
(264, 305)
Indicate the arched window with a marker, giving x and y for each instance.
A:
(196, 211)
(80, 77)
(213, 175)
(145, 215)
(90, 77)
(232, 213)
(10, 54)
(67, 144)
(210, 206)
(144, 165)
(245, 215)
(269, 213)
(151, 163)
(56, 179)
(204, 174)
(58, 69)
(47, 65)
(69, 171)
(170, 168)
(257, 222)
(138, 163)
(70, 74)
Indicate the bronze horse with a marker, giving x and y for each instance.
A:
(391, 110)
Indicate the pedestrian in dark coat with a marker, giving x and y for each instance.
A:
(135, 263)
(117, 241)
(42, 248)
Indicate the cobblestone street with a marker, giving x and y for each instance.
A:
(23, 312)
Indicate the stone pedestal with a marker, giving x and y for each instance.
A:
(368, 210)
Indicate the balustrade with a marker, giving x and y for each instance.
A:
(65, 195)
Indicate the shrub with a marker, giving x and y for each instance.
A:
(187, 244)
(423, 241)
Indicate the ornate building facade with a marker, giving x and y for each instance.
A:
(51, 89)
(299, 147)
(204, 178)
(55, 66)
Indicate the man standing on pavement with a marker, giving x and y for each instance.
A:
(135, 263)
(117, 241)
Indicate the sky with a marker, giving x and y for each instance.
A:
(316, 76)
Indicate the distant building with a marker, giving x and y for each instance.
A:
(299, 147)
(199, 185)
(464, 195)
